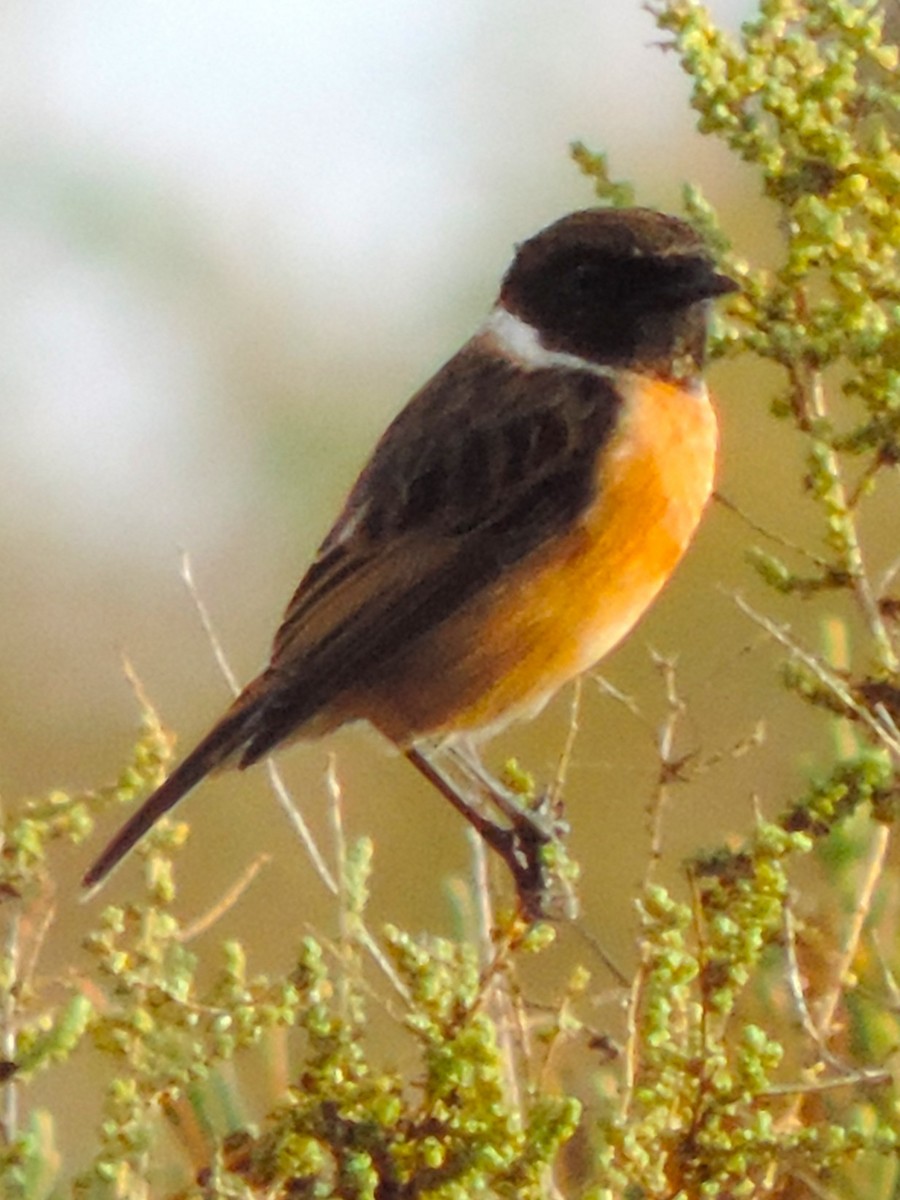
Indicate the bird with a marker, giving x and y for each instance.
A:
(513, 523)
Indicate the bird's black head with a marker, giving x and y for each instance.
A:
(622, 287)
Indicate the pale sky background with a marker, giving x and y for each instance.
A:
(362, 168)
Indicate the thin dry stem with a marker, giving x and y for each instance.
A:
(10, 1090)
(358, 932)
(227, 901)
(872, 873)
(41, 915)
(596, 948)
(668, 764)
(284, 798)
(187, 576)
(770, 535)
(887, 975)
(501, 997)
(850, 1079)
(888, 576)
(826, 1010)
(702, 960)
(813, 1186)
(628, 702)
(293, 814)
(336, 810)
(738, 749)
(345, 936)
(854, 561)
(794, 979)
(633, 1041)
(885, 731)
(484, 908)
(565, 758)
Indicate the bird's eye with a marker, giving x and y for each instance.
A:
(589, 279)
(584, 277)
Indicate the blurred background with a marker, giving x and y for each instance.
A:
(234, 239)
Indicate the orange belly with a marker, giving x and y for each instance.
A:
(563, 607)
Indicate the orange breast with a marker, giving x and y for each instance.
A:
(562, 608)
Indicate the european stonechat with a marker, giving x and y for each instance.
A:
(514, 521)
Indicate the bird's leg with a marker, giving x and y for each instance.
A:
(520, 845)
(536, 816)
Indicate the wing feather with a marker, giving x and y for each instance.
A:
(483, 466)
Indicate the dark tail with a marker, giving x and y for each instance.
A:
(219, 745)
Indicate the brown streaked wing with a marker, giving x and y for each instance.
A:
(483, 466)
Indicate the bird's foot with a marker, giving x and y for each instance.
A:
(531, 839)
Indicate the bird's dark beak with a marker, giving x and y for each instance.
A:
(720, 285)
(691, 281)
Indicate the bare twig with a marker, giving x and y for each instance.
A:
(853, 555)
(345, 934)
(359, 932)
(565, 758)
(794, 979)
(813, 1186)
(628, 702)
(668, 764)
(228, 900)
(187, 576)
(484, 908)
(630, 1053)
(495, 989)
(885, 731)
(798, 995)
(872, 873)
(888, 576)
(743, 746)
(890, 979)
(336, 808)
(10, 1090)
(284, 798)
(811, 1087)
(594, 945)
(293, 814)
(820, 1024)
(770, 534)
